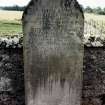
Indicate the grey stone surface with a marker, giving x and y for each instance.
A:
(53, 52)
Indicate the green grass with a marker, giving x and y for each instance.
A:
(10, 22)
(10, 27)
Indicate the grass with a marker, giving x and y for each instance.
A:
(97, 22)
(10, 22)
(95, 17)
(10, 27)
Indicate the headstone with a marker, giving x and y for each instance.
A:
(53, 52)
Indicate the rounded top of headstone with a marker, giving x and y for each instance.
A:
(46, 3)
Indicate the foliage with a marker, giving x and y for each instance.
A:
(14, 8)
(97, 10)
(88, 10)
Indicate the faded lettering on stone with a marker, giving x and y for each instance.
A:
(53, 52)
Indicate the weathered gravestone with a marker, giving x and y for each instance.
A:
(53, 52)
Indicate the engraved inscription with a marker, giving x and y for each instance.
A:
(53, 52)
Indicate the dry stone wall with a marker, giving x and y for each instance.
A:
(12, 76)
